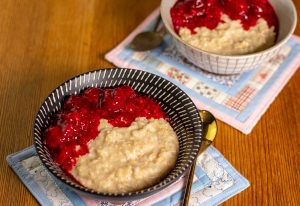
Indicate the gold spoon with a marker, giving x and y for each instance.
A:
(147, 40)
(209, 133)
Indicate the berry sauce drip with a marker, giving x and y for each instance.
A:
(199, 13)
(73, 127)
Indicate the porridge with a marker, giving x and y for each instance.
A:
(130, 158)
(226, 27)
(112, 140)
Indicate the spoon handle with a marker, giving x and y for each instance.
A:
(209, 134)
(189, 184)
(157, 23)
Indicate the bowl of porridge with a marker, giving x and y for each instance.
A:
(117, 134)
(229, 36)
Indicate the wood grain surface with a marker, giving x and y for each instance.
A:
(43, 43)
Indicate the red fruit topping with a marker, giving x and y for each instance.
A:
(75, 102)
(199, 13)
(78, 122)
(121, 120)
(82, 149)
(93, 95)
(53, 137)
(239, 7)
(127, 91)
(65, 157)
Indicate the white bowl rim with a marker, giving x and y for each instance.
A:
(275, 46)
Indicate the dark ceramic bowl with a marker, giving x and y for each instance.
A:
(184, 118)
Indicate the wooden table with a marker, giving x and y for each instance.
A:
(43, 43)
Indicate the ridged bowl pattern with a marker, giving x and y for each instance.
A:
(184, 118)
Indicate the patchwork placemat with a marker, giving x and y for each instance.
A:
(215, 181)
(238, 100)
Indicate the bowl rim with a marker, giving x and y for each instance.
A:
(272, 48)
(111, 196)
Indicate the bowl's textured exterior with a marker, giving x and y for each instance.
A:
(222, 64)
(183, 114)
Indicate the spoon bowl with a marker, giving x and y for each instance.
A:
(146, 41)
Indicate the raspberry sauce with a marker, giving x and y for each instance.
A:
(77, 123)
(199, 13)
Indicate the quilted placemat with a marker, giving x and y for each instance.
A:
(215, 181)
(238, 100)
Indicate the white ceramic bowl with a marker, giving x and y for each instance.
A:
(223, 64)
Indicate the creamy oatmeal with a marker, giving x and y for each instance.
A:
(130, 158)
(230, 38)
